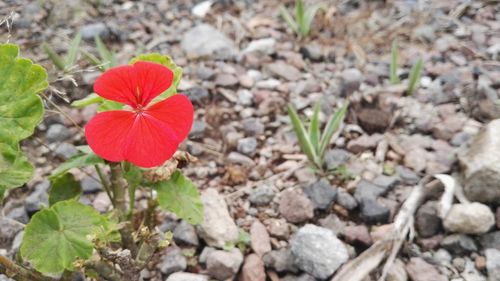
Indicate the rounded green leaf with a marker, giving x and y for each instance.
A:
(15, 169)
(180, 196)
(57, 236)
(64, 187)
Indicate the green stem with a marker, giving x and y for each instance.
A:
(104, 183)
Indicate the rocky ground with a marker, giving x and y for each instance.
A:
(267, 215)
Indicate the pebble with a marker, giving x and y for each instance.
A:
(336, 157)
(346, 200)
(357, 235)
(245, 97)
(373, 212)
(253, 269)
(247, 146)
(261, 195)
(284, 70)
(238, 158)
(8, 231)
(253, 127)
(312, 51)
(322, 194)
(420, 270)
(224, 264)
(459, 244)
(295, 207)
(89, 31)
(302, 277)
(397, 272)
(264, 46)
(278, 228)
(204, 41)
(368, 190)
(197, 130)
(427, 220)
(218, 228)
(350, 81)
(493, 264)
(374, 120)
(280, 260)
(66, 150)
(363, 143)
(185, 276)
(226, 80)
(490, 240)
(185, 234)
(19, 214)
(57, 133)
(90, 185)
(471, 218)
(38, 198)
(172, 261)
(198, 95)
(317, 251)
(101, 202)
(259, 238)
(333, 223)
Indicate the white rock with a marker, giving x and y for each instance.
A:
(471, 218)
(262, 46)
(204, 41)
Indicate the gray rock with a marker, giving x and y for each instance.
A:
(346, 200)
(218, 228)
(204, 254)
(226, 80)
(350, 81)
(280, 260)
(317, 251)
(367, 190)
(198, 95)
(223, 265)
(481, 165)
(420, 270)
(204, 41)
(90, 185)
(312, 51)
(490, 240)
(295, 207)
(38, 198)
(408, 176)
(197, 130)
(172, 261)
(262, 195)
(387, 182)
(442, 257)
(373, 212)
(333, 223)
(19, 214)
(336, 157)
(66, 150)
(493, 264)
(246, 98)
(259, 238)
(185, 276)
(185, 234)
(471, 218)
(57, 133)
(284, 70)
(238, 158)
(427, 220)
(265, 46)
(253, 127)
(322, 194)
(426, 33)
(89, 31)
(459, 244)
(247, 146)
(8, 231)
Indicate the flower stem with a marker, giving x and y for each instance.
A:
(104, 183)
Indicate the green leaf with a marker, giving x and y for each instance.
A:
(107, 56)
(414, 78)
(302, 135)
(107, 105)
(169, 63)
(64, 187)
(331, 127)
(57, 236)
(180, 196)
(56, 59)
(88, 100)
(94, 60)
(15, 169)
(288, 19)
(109, 231)
(299, 13)
(394, 63)
(73, 50)
(21, 110)
(305, 26)
(314, 132)
(77, 161)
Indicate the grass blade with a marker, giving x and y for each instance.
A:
(314, 132)
(93, 60)
(73, 50)
(288, 19)
(53, 56)
(310, 13)
(394, 64)
(414, 78)
(299, 13)
(88, 100)
(106, 55)
(302, 136)
(331, 127)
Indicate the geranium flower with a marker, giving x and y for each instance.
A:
(144, 134)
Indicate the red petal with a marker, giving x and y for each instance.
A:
(147, 139)
(135, 85)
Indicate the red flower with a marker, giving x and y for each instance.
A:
(148, 134)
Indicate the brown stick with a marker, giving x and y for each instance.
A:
(19, 273)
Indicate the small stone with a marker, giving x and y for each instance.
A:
(8, 231)
(333, 223)
(295, 207)
(19, 214)
(480, 263)
(197, 130)
(284, 70)
(226, 80)
(66, 150)
(259, 238)
(101, 202)
(346, 200)
(237, 158)
(245, 97)
(281, 260)
(374, 120)
(427, 220)
(363, 143)
(408, 176)
(357, 235)
(373, 212)
(218, 228)
(57, 133)
(368, 190)
(38, 198)
(322, 194)
(185, 276)
(336, 157)
(415, 159)
(397, 272)
(420, 270)
(253, 127)
(204, 41)
(197, 95)
(223, 265)
(262, 195)
(265, 46)
(318, 251)
(312, 51)
(302, 277)
(387, 182)
(204, 254)
(350, 80)
(185, 234)
(247, 146)
(90, 185)
(493, 264)
(442, 257)
(89, 31)
(472, 218)
(490, 240)
(425, 33)
(172, 261)
(459, 244)
(278, 228)
(253, 269)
